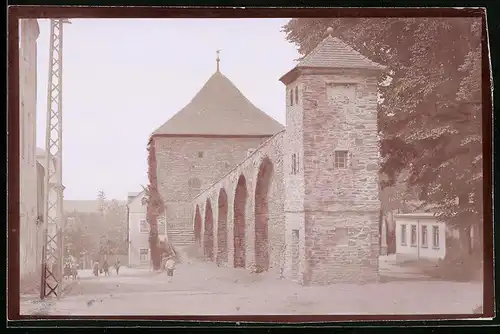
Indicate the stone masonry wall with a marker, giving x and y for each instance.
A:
(294, 182)
(341, 205)
(186, 166)
(249, 168)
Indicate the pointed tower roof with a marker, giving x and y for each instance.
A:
(220, 108)
(334, 53)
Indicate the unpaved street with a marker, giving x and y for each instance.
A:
(205, 289)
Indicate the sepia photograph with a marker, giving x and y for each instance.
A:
(251, 166)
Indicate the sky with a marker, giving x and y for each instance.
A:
(124, 78)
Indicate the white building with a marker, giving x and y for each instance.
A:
(138, 231)
(420, 236)
(30, 228)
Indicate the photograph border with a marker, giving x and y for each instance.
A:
(74, 12)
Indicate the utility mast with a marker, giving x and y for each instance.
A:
(53, 219)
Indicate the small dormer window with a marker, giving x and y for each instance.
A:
(296, 95)
(291, 97)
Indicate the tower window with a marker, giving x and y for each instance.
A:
(340, 160)
(296, 95)
(291, 97)
(295, 164)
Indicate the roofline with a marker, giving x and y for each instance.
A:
(423, 215)
(292, 75)
(211, 136)
(238, 165)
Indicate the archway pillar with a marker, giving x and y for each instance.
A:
(230, 230)
(250, 227)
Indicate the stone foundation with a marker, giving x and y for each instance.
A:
(341, 247)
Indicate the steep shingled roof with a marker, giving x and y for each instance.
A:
(220, 108)
(334, 53)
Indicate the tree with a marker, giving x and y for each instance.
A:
(115, 219)
(430, 111)
(83, 235)
(155, 206)
(101, 198)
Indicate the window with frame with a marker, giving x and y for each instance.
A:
(144, 226)
(340, 159)
(414, 235)
(435, 236)
(200, 154)
(403, 235)
(144, 254)
(424, 236)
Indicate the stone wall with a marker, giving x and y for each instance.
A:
(249, 167)
(186, 166)
(341, 204)
(294, 182)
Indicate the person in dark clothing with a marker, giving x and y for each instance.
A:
(96, 268)
(117, 266)
(105, 267)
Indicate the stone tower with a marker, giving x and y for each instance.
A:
(331, 160)
(200, 144)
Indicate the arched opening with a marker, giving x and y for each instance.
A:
(222, 228)
(240, 200)
(208, 235)
(197, 226)
(262, 215)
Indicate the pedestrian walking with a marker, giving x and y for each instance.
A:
(170, 266)
(117, 266)
(96, 268)
(105, 267)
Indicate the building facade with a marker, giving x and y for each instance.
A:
(30, 227)
(139, 253)
(420, 236)
(302, 200)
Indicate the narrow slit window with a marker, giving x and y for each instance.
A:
(296, 95)
(294, 163)
(291, 97)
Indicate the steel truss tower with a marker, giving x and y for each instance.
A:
(53, 219)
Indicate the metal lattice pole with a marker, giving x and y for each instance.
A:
(53, 220)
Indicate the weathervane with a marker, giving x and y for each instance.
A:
(218, 59)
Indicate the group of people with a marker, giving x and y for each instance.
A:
(105, 268)
(70, 270)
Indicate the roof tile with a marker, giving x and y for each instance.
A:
(220, 108)
(334, 53)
